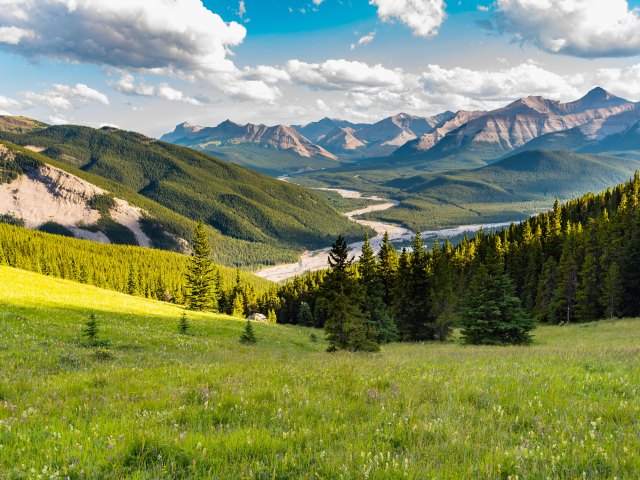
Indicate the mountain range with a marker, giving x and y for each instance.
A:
(597, 122)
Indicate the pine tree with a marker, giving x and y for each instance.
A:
(380, 325)
(340, 298)
(491, 312)
(271, 316)
(546, 291)
(402, 300)
(132, 283)
(238, 306)
(91, 329)
(421, 324)
(183, 324)
(443, 298)
(248, 336)
(387, 266)
(564, 302)
(200, 281)
(588, 294)
(304, 317)
(612, 291)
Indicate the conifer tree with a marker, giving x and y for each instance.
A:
(271, 316)
(588, 292)
(341, 297)
(183, 324)
(380, 325)
(91, 329)
(238, 306)
(546, 291)
(304, 317)
(612, 291)
(491, 312)
(564, 302)
(200, 293)
(421, 324)
(443, 299)
(387, 266)
(401, 305)
(248, 336)
(132, 283)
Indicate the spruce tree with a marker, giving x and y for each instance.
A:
(238, 306)
(612, 291)
(387, 266)
(380, 325)
(402, 299)
(546, 291)
(91, 329)
(421, 324)
(340, 298)
(564, 302)
(271, 316)
(491, 313)
(132, 283)
(200, 289)
(248, 336)
(183, 324)
(588, 291)
(304, 317)
(443, 298)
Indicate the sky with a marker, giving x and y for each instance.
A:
(147, 65)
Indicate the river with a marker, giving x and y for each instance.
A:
(315, 260)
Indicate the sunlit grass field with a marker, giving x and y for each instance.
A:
(157, 404)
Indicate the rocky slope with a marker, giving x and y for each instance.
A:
(493, 134)
(279, 137)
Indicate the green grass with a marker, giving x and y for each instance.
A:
(157, 404)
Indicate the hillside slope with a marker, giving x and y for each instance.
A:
(238, 203)
(157, 404)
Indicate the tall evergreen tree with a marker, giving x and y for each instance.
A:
(612, 291)
(132, 283)
(546, 291)
(305, 317)
(341, 297)
(402, 299)
(492, 313)
(422, 324)
(588, 291)
(443, 299)
(200, 281)
(564, 302)
(380, 325)
(387, 266)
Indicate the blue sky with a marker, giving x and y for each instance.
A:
(147, 65)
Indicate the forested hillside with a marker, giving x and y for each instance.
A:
(576, 263)
(138, 271)
(246, 206)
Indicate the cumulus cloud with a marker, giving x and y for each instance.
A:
(180, 35)
(9, 103)
(423, 17)
(365, 39)
(583, 28)
(128, 86)
(344, 75)
(519, 81)
(13, 35)
(267, 73)
(65, 97)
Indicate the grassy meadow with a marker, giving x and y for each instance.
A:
(153, 404)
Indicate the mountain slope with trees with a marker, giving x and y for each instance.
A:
(239, 204)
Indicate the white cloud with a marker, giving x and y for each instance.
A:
(364, 40)
(344, 75)
(242, 9)
(59, 120)
(65, 97)
(583, 28)
(267, 74)
(624, 82)
(168, 93)
(511, 83)
(423, 17)
(176, 35)
(9, 103)
(161, 37)
(13, 35)
(127, 85)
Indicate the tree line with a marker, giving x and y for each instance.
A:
(576, 263)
